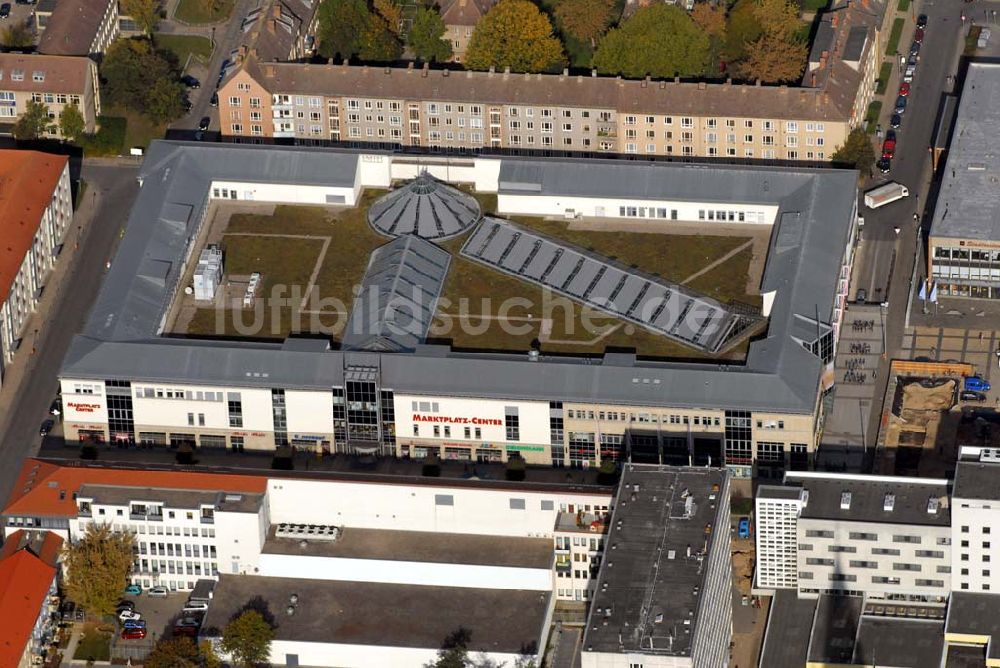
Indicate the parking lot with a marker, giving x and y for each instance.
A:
(160, 614)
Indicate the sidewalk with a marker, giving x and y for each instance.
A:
(25, 358)
(896, 77)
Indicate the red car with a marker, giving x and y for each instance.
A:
(918, 35)
(133, 634)
(904, 89)
(889, 148)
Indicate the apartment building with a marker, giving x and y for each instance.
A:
(282, 30)
(29, 578)
(886, 538)
(55, 81)
(36, 208)
(975, 513)
(460, 18)
(580, 535)
(963, 248)
(476, 111)
(77, 27)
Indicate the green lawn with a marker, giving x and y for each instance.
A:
(871, 118)
(93, 645)
(195, 12)
(813, 5)
(897, 31)
(108, 140)
(903, 5)
(972, 40)
(185, 46)
(884, 74)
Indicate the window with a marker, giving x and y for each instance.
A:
(512, 423)
(444, 500)
(517, 504)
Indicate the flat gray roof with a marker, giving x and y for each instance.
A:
(365, 613)
(172, 498)
(834, 629)
(967, 206)
(648, 586)
(121, 338)
(868, 499)
(665, 308)
(424, 546)
(902, 643)
(399, 292)
(976, 614)
(977, 480)
(778, 492)
(789, 626)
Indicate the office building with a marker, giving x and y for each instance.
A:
(36, 208)
(123, 381)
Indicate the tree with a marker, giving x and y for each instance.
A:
(341, 26)
(857, 151)
(145, 13)
(17, 36)
(742, 28)
(165, 101)
(71, 123)
(585, 19)
(773, 59)
(454, 650)
(97, 566)
(247, 638)
(34, 122)
(658, 40)
(174, 653)
(514, 34)
(711, 18)
(131, 69)
(392, 12)
(426, 36)
(777, 17)
(378, 42)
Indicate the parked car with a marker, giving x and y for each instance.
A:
(888, 148)
(972, 396)
(890, 135)
(914, 59)
(904, 89)
(918, 35)
(215, 99)
(124, 605)
(914, 48)
(4, 10)
(976, 384)
(46, 427)
(134, 624)
(901, 105)
(186, 631)
(204, 123)
(195, 606)
(895, 121)
(862, 296)
(127, 615)
(133, 634)
(743, 530)
(190, 81)
(158, 592)
(909, 73)
(884, 164)
(922, 21)
(133, 590)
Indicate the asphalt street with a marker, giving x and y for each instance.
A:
(111, 189)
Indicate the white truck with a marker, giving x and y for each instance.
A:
(885, 194)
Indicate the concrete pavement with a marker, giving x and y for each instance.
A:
(31, 382)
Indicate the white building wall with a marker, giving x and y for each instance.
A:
(420, 507)
(239, 538)
(84, 403)
(309, 413)
(364, 656)
(405, 572)
(608, 207)
(172, 412)
(374, 171)
(776, 542)
(972, 541)
(487, 177)
(626, 660)
(451, 170)
(460, 414)
(258, 411)
(285, 193)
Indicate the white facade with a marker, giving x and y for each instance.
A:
(579, 551)
(363, 656)
(471, 420)
(34, 269)
(776, 541)
(973, 540)
(284, 193)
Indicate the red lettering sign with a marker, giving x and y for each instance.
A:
(495, 422)
(84, 408)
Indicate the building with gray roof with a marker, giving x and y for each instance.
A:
(424, 207)
(665, 584)
(479, 404)
(962, 249)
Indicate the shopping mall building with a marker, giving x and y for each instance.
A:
(397, 395)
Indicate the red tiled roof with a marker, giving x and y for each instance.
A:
(24, 582)
(44, 489)
(46, 547)
(27, 180)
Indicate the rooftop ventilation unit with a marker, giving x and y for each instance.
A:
(310, 531)
(889, 503)
(989, 455)
(933, 504)
(805, 498)
(845, 500)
